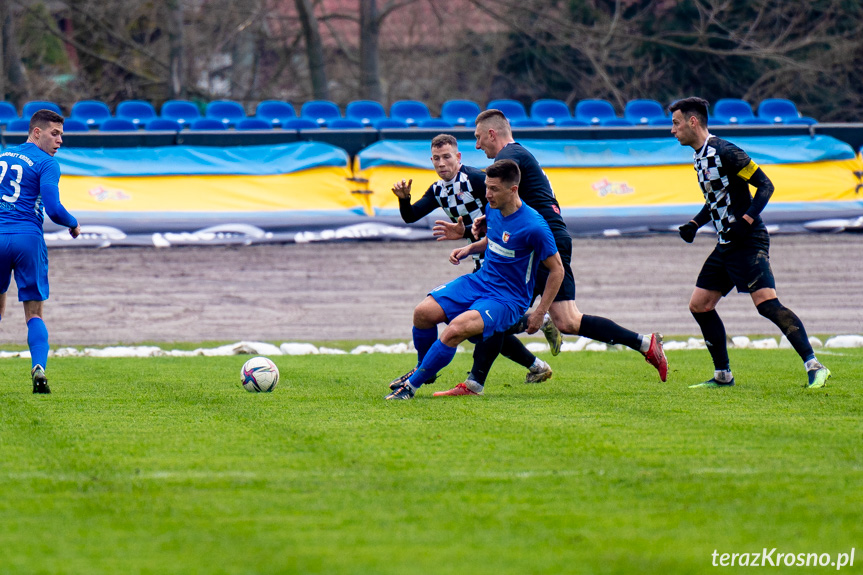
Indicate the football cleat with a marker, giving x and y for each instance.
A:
(713, 383)
(655, 356)
(539, 376)
(818, 376)
(460, 389)
(404, 392)
(552, 336)
(40, 382)
(403, 379)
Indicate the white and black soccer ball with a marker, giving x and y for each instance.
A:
(259, 374)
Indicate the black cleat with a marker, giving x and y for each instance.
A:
(40, 382)
(403, 379)
(404, 392)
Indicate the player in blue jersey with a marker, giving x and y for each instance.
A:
(741, 258)
(494, 137)
(29, 182)
(494, 298)
(460, 193)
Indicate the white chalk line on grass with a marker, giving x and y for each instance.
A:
(293, 348)
(507, 475)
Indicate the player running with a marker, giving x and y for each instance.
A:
(29, 180)
(460, 192)
(495, 297)
(740, 258)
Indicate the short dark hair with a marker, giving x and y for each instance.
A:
(44, 118)
(496, 118)
(506, 171)
(693, 106)
(444, 140)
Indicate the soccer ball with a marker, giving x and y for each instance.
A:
(259, 374)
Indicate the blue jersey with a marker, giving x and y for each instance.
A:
(516, 245)
(29, 182)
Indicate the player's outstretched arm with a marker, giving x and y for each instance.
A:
(552, 286)
(444, 230)
(409, 212)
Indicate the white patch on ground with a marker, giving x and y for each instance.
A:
(295, 348)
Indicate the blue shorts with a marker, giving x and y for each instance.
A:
(27, 255)
(468, 293)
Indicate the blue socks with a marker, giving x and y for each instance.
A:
(423, 340)
(37, 339)
(437, 358)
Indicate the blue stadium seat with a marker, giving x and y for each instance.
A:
(549, 111)
(117, 125)
(300, 124)
(527, 123)
(643, 111)
(571, 123)
(782, 111)
(276, 112)
(73, 125)
(412, 112)
(616, 122)
(320, 111)
(254, 124)
(226, 111)
(183, 111)
(163, 124)
(755, 121)
(208, 124)
(91, 112)
(139, 112)
(435, 123)
(732, 110)
(594, 111)
(388, 123)
(344, 124)
(512, 109)
(664, 121)
(31, 108)
(8, 112)
(460, 112)
(365, 111)
(19, 125)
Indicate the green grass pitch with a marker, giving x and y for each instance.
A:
(166, 465)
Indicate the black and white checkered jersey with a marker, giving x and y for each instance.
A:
(723, 172)
(463, 196)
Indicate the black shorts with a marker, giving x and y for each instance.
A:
(567, 287)
(746, 267)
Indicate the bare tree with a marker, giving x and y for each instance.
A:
(13, 80)
(314, 49)
(176, 81)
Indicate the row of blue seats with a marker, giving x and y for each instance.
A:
(177, 114)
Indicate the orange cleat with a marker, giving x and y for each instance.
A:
(656, 357)
(460, 389)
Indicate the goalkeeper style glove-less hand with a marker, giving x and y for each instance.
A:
(687, 231)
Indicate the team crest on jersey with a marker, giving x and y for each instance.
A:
(505, 237)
